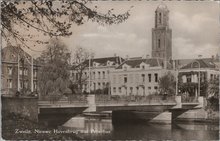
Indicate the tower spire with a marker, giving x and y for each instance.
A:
(162, 34)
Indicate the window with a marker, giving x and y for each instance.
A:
(99, 75)
(9, 83)
(114, 90)
(93, 75)
(103, 85)
(143, 77)
(103, 74)
(99, 85)
(211, 77)
(125, 68)
(131, 90)
(143, 67)
(155, 87)
(125, 79)
(119, 89)
(158, 43)
(156, 77)
(160, 18)
(94, 86)
(10, 70)
(188, 78)
(149, 88)
(149, 77)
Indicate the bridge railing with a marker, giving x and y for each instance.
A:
(109, 99)
(62, 99)
(188, 99)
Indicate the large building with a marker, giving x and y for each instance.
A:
(195, 77)
(17, 71)
(137, 76)
(99, 77)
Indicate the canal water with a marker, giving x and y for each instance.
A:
(97, 128)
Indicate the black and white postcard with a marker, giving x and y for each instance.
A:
(109, 70)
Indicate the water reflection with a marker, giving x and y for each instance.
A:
(97, 128)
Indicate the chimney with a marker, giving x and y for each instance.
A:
(126, 57)
(213, 58)
(147, 56)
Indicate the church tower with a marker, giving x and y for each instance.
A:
(162, 35)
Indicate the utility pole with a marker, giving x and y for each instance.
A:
(18, 86)
(32, 76)
(89, 72)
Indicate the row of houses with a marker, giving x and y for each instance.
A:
(140, 76)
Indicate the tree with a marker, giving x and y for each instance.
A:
(191, 88)
(213, 94)
(167, 84)
(54, 72)
(51, 17)
(80, 65)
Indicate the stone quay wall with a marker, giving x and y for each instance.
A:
(26, 107)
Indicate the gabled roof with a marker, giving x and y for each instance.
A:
(10, 54)
(102, 61)
(134, 63)
(204, 63)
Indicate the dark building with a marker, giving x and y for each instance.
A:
(17, 71)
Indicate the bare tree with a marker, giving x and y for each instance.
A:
(80, 65)
(54, 74)
(50, 17)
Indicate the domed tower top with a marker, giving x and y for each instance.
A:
(162, 16)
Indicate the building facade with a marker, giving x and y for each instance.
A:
(195, 77)
(137, 77)
(17, 70)
(99, 77)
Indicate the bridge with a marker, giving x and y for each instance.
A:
(151, 105)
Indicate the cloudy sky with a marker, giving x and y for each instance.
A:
(195, 30)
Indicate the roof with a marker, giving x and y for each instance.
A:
(134, 63)
(162, 6)
(202, 63)
(179, 63)
(103, 61)
(10, 54)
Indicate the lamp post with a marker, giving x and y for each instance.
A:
(89, 73)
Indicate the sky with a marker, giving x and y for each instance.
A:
(195, 30)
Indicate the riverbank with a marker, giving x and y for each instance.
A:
(200, 115)
(15, 127)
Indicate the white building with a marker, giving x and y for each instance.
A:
(137, 77)
(99, 73)
(195, 74)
